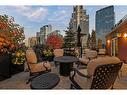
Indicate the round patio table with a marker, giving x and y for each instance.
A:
(45, 81)
(66, 63)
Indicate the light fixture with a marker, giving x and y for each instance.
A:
(125, 35)
(108, 41)
(118, 35)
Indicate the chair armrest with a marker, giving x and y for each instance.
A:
(72, 79)
(79, 73)
(45, 62)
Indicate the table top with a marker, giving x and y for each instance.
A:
(66, 59)
(45, 81)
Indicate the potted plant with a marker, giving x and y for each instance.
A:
(5, 57)
(48, 55)
(11, 36)
(18, 60)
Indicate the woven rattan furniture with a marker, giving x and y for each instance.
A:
(103, 77)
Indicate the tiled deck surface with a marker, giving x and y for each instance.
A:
(18, 81)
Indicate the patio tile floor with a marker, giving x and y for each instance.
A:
(18, 81)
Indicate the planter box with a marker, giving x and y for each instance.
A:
(49, 58)
(5, 61)
(16, 68)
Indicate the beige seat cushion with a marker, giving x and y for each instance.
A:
(46, 64)
(86, 50)
(84, 60)
(91, 54)
(100, 61)
(39, 67)
(31, 56)
(58, 52)
(102, 51)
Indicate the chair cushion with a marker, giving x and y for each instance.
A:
(100, 61)
(39, 67)
(58, 52)
(102, 51)
(91, 54)
(86, 50)
(31, 56)
(46, 64)
(84, 60)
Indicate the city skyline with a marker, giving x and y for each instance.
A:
(34, 17)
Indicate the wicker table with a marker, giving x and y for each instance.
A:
(45, 81)
(66, 63)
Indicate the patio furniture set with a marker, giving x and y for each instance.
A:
(101, 71)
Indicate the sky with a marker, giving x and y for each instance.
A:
(33, 17)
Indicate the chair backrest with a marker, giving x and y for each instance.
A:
(105, 75)
(102, 51)
(91, 54)
(31, 56)
(58, 52)
(85, 50)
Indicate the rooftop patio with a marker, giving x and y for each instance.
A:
(18, 81)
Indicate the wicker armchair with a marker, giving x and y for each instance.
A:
(35, 68)
(101, 74)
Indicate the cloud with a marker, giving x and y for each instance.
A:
(34, 14)
(61, 17)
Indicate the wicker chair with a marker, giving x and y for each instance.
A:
(102, 76)
(35, 68)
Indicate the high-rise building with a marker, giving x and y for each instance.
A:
(38, 38)
(80, 18)
(105, 20)
(44, 31)
(32, 41)
(55, 32)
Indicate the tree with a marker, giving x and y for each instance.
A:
(88, 41)
(93, 40)
(54, 41)
(69, 39)
(11, 34)
(70, 43)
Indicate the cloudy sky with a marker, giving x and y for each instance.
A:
(34, 17)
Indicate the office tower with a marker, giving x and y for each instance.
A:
(105, 19)
(80, 18)
(44, 31)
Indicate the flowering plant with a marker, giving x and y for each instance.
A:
(19, 57)
(47, 53)
(6, 46)
(11, 34)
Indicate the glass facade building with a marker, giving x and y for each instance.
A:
(105, 20)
